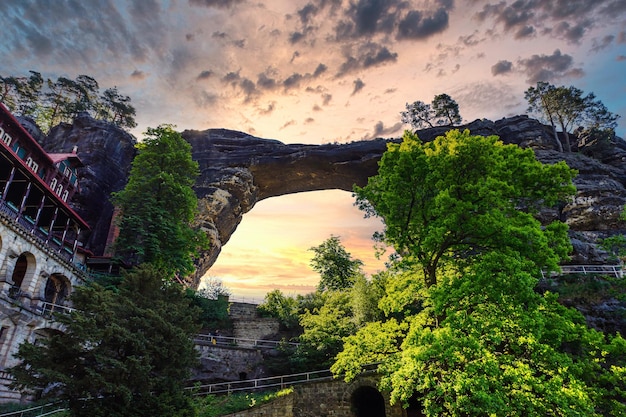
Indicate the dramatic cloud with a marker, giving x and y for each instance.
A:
(502, 67)
(565, 19)
(549, 67)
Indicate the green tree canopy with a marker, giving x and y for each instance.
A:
(125, 352)
(459, 196)
(465, 333)
(335, 265)
(158, 205)
(443, 110)
(567, 107)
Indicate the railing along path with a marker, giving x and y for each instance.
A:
(283, 381)
(614, 270)
(225, 341)
(39, 411)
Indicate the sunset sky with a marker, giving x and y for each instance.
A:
(316, 71)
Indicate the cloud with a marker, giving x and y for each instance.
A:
(604, 43)
(502, 67)
(564, 19)
(381, 131)
(415, 25)
(358, 86)
(221, 4)
(549, 67)
(204, 75)
(369, 54)
(138, 75)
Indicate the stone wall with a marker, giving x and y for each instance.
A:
(329, 399)
(219, 363)
(248, 325)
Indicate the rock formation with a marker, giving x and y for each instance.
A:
(238, 170)
(107, 153)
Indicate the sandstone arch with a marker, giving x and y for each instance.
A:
(238, 170)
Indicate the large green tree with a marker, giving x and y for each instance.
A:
(124, 352)
(568, 108)
(458, 196)
(465, 332)
(158, 205)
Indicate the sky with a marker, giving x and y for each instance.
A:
(313, 72)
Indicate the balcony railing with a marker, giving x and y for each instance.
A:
(47, 309)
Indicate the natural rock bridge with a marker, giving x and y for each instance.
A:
(238, 170)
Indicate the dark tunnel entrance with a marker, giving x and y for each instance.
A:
(368, 402)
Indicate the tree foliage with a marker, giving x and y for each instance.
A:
(465, 333)
(335, 265)
(284, 308)
(568, 108)
(123, 353)
(51, 102)
(454, 198)
(158, 205)
(442, 111)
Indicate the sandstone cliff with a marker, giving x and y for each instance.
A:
(238, 170)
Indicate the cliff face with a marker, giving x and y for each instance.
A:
(238, 170)
(107, 152)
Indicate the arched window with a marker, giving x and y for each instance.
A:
(53, 184)
(56, 290)
(65, 194)
(19, 272)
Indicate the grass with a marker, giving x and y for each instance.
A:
(219, 405)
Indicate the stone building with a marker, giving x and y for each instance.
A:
(41, 252)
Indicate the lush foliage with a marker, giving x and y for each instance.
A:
(567, 107)
(465, 333)
(442, 111)
(453, 199)
(124, 353)
(158, 205)
(52, 102)
(284, 308)
(335, 265)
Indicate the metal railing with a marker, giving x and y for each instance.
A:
(46, 309)
(39, 411)
(225, 341)
(281, 382)
(612, 270)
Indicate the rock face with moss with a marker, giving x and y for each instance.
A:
(238, 170)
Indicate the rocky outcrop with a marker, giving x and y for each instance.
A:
(238, 170)
(107, 153)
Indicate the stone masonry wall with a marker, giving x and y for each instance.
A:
(248, 325)
(321, 399)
